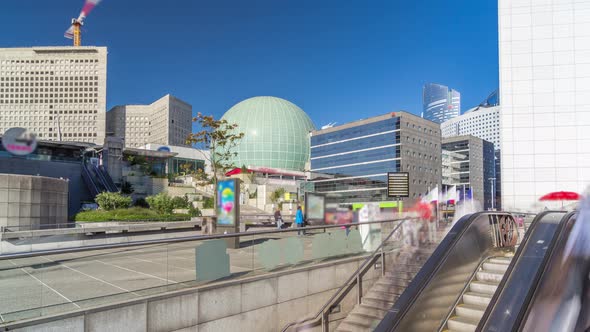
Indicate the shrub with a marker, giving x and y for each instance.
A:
(141, 202)
(126, 188)
(131, 214)
(111, 201)
(193, 211)
(208, 203)
(161, 203)
(180, 203)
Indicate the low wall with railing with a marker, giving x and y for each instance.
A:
(262, 303)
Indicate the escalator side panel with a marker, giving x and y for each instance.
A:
(548, 307)
(520, 277)
(426, 302)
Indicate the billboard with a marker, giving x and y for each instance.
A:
(227, 202)
(315, 208)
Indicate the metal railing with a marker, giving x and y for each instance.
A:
(322, 316)
(154, 267)
(186, 239)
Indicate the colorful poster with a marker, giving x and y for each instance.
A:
(315, 208)
(226, 203)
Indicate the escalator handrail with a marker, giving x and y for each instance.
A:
(108, 178)
(103, 178)
(491, 306)
(428, 271)
(89, 179)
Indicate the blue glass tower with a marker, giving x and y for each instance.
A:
(440, 103)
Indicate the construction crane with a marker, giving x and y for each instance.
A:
(75, 30)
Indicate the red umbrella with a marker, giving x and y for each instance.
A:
(561, 196)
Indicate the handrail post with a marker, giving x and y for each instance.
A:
(359, 286)
(325, 322)
(382, 262)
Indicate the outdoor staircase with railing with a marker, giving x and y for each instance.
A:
(383, 294)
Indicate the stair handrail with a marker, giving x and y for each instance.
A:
(348, 284)
(108, 178)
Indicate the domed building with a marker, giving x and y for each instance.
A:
(276, 133)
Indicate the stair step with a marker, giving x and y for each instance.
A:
(495, 267)
(483, 287)
(500, 260)
(470, 311)
(347, 326)
(379, 303)
(401, 274)
(388, 288)
(393, 281)
(374, 294)
(462, 324)
(489, 276)
(369, 311)
(477, 298)
(361, 320)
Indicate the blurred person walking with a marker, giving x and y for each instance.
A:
(299, 222)
(279, 218)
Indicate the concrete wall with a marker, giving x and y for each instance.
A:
(54, 169)
(32, 202)
(263, 303)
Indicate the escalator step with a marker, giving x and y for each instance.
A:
(477, 298)
(483, 287)
(462, 324)
(470, 311)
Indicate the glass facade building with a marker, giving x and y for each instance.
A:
(440, 103)
(353, 162)
(349, 163)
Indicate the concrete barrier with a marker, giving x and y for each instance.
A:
(262, 303)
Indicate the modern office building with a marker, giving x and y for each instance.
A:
(58, 93)
(350, 162)
(167, 121)
(545, 92)
(482, 122)
(276, 133)
(440, 103)
(468, 164)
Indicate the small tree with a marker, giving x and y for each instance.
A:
(220, 138)
(112, 201)
(186, 168)
(277, 195)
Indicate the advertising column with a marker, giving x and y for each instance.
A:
(228, 210)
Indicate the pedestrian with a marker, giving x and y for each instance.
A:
(279, 218)
(299, 221)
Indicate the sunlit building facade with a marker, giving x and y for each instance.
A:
(440, 103)
(545, 93)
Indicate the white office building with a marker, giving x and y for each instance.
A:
(481, 122)
(545, 92)
(59, 93)
(167, 121)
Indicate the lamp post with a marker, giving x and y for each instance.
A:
(492, 180)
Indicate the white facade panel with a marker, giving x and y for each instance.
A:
(554, 98)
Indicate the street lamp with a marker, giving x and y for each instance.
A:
(492, 180)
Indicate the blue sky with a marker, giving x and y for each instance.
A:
(338, 60)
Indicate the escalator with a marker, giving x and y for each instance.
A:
(97, 180)
(480, 278)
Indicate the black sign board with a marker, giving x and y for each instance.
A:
(398, 184)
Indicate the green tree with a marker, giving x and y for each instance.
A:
(277, 195)
(220, 138)
(111, 201)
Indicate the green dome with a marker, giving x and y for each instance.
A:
(276, 133)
